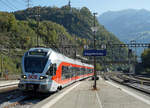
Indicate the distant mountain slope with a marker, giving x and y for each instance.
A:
(128, 24)
(78, 23)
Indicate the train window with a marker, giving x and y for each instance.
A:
(71, 72)
(35, 64)
(52, 70)
(81, 71)
(84, 71)
(89, 70)
(78, 71)
(67, 72)
(49, 72)
(64, 71)
(74, 71)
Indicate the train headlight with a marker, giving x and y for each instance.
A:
(24, 76)
(42, 77)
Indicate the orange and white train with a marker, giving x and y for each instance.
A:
(45, 70)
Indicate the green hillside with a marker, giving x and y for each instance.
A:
(78, 22)
(59, 28)
(16, 37)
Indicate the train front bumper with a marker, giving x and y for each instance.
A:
(38, 87)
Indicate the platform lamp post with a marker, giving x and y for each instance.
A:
(94, 29)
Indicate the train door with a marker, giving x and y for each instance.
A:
(52, 70)
(74, 71)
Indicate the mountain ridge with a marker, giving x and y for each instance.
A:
(126, 23)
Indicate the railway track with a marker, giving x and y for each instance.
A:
(11, 96)
(142, 78)
(17, 99)
(132, 83)
(133, 79)
(8, 96)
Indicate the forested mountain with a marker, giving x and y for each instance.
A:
(18, 36)
(128, 24)
(78, 22)
(57, 27)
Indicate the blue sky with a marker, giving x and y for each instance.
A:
(99, 6)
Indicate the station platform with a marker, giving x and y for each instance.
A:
(108, 95)
(8, 82)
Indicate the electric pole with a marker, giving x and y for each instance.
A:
(69, 3)
(38, 24)
(28, 3)
(95, 74)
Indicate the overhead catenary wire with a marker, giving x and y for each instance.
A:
(7, 5)
(11, 4)
(20, 2)
(2, 7)
(28, 3)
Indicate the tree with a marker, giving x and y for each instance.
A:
(98, 67)
(146, 58)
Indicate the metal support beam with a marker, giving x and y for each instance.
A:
(130, 45)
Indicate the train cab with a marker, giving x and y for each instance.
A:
(38, 70)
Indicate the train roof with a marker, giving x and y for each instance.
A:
(60, 56)
(40, 48)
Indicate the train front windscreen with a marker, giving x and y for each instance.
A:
(35, 64)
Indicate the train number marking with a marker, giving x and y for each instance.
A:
(32, 76)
